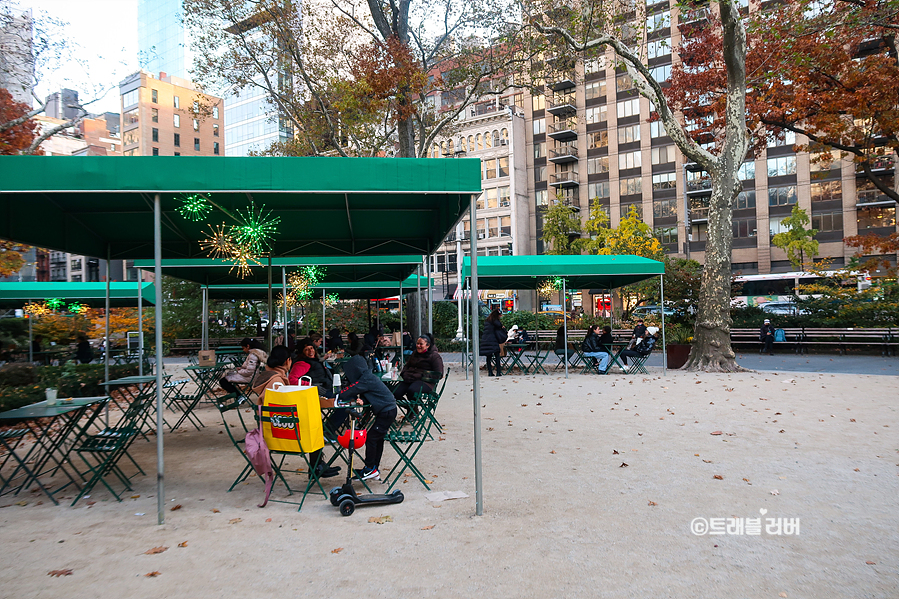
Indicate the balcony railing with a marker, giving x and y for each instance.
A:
(563, 153)
(567, 178)
(562, 104)
(563, 130)
(883, 163)
(561, 80)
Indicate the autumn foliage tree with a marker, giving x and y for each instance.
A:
(16, 138)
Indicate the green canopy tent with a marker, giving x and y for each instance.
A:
(574, 272)
(14, 295)
(128, 208)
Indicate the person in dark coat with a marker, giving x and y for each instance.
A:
(595, 349)
(425, 359)
(494, 334)
(356, 346)
(84, 352)
(643, 349)
(308, 364)
(334, 341)
(766, 336)
(368, 388)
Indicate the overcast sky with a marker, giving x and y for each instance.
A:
(104, 33)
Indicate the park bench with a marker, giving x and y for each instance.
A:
(193, 345)
(845, 338)
(750, 337)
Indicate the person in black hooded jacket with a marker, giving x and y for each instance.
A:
(368, 388)
(494, 334)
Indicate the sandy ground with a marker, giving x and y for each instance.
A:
(562, 512)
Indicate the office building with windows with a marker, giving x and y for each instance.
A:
(162, 43)
(169, 116)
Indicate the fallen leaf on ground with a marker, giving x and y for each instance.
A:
(234, 520)
(428, 482)
(58, 573)
(215, 511)
(183, 544)
(152, 574)
(553, 451)
(135, 496)
(782, 595)
(717, 433)
(652, 503)
(268, 519)
(380, 519)
(614, 452)
(718, 477)
(428, 527)
(623, 465)
(870, 563)
(775, 492)
(338, 550)
(176, 507)
(155, 550)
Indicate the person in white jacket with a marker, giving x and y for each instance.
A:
(244, 374)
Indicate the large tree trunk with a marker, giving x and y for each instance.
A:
(712, 351)
(405, 130)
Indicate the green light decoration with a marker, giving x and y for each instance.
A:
(258, 229)
(304, 279)
(77, 308)
(331, 299)
(195, 208)
(559, 283)
(55, 303)
(219, 243)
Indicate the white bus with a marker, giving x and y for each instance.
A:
(756, 290)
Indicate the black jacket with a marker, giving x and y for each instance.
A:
(360, 382)
(646, 346)
(85, 352)
(639, 331)
(319, 374)
(592, 343)
(494, 334)
(606, 342)
(767, 329)
(334, 340)
(418, 364)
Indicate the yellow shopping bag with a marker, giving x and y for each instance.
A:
(279, 435)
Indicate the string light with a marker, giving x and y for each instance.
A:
(195, 208)
(37, 309)
(258, 229)
(219, 244)
(559, 283)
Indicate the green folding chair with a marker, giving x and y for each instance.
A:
(537, 360)
(406, 444)
(637, 365)
(9, 441)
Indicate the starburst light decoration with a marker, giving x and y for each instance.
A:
(291, 299)
(55, 303)
(559, 283)
(77, 308)
(258, 229)
(195, 207)
(37, 308)
(545, 289)
(243, 259)
(304, 279)
(331, 299)
(219, 243)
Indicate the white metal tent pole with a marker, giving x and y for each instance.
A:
(417, 329)
(140, 326)
(31, 340)
(204, 342)
(662, 307)
(565, 324)
(460, 332)
(271, 316)
(160, 460)
(467, 334)
(430, 296)
(476, 375)
(284, 300)
(106, 318)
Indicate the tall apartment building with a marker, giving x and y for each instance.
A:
(493, 131)
(589, 139)
(162, 43)
(16, 55)
(169, 116)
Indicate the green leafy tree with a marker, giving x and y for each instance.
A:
(797, 241)
(561, 228)
(631, 237)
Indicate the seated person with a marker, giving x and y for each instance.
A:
(309, 365)
(559, 346)
(84, 352)
(317, 340)
(425, 359)
(356, 346)
(335, 341)
(361, 383)
(277, 368)
(407, 343)
(643, 349)
(256, 356)
(595, 349)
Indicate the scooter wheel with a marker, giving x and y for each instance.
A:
(347, 507)
(334, 495)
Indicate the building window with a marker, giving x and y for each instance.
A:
(659, 48)
(744, 227)
(76, 278)
(540, 149)
(776, 226)
(215, 148)
(870, 217)
(745, 199)
(595, 89)
(154, 115)
(490, 168)
(789, 138)
(130, 98)
(628, 134)
(664, 181)
(699, 232)
(490, 197)
(631, 186)
(196, 124)
(658, 21)
(196, 106)
(663, 155)
(598, 165)
(666, 235)
(828, 221)
(661, 73)
(596, 114)
(539, 126)
(215, 112)
(502, 166)
(177, 140)
(827, 190)
(215, 130)
(76, 264)
(747, 171)
(782, 165)
(155, 134)
(624, 82)
(131, 117)
(598, 190)
(539, 173)
(664, 208)
(176, 120)
(628, 108)
(629, 160)
(625, 210)
(541, 197)
(657, 129)
(503, 195)
(156, 151)
(782, 196)
(154, 95)
(595, 65)
(488, 143)
(824, 161)
(177, 102)
(597, 139)
(538, 102)
(196, 144)
(177, 153)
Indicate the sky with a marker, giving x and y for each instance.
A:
(103, 34)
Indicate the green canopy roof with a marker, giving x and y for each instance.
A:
(327, 206)
(348, 291)
(341, 269)
(14, 295)
(580, 272)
